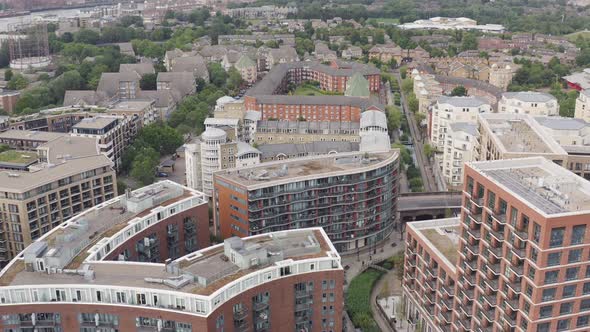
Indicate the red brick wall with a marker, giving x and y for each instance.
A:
(200, 216)
(281, 307)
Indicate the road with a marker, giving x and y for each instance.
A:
(423, 163)
(377, 315)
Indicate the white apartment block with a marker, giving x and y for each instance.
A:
(448, 110)
(583, 106)
(529, 102)
(215, 151)
(458, 150)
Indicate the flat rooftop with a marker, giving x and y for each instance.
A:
(442, 234)
(131, 105)
(300, 169)
(42, 136)
(543, 185)
(69, 147)
(520, 134)
(98, 122)
(210, 264)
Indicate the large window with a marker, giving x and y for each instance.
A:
(569, 291)
(554, 258)
(546, 311)
(566, 308)
(536, 232)
(563, 325)
(548, 294)
(574, 256)
(551, 276)
(578, 233)
(556, 239)
(571, 273)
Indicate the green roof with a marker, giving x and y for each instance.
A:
(18, 157)
(357, 86)
(244, 62)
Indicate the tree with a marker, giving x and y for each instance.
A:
(469, 42)
(428, 150)
(8, 75)
(70, 80)
(217, 74)
(416, 184)
(148, 82)
(234, 79)
(161, 138)
(17, 82)
(394, 118)
(459, 91)
(407, 85)
(87, 36)
(413, 103)
(403, 72)
(144, 166)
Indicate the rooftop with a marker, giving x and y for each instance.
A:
(539, 183)
(463, 101)
(41, 136)
(95, 122)
(17, 181)
(442, 235)
(520, 134)
(301, 169)
(529, 96)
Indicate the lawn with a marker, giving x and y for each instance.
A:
(572, 36)
(308, 91)
(17, 157)
(358, 300)
(385, 20)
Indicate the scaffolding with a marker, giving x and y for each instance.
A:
(28, 46)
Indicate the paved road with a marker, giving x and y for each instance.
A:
(435, 201)
(423, 163)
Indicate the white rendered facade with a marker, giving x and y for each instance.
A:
(583, 106)
(529, 102)
(448, 110)
(458, 150)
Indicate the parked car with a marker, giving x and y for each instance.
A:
(162, 175)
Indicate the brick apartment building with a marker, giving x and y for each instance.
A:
(269, 96)
(519, 261)
(353, 197)
(289, 280)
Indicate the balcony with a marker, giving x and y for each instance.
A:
(495, 268)
(473, 248)
(518, 269)
(510, 320)
(492, 283)
(520, 252)
(523, 235)
(241, 313)
(469, 293)
(474, 234)
(490, 314)
(262, 305)
(496, 251)
(513, 303)
(498, 235)
(490, 298)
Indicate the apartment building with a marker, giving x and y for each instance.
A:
(214, 151)
(519, 262)
(583, 106)
(353, 196)
(114, 134)
(529, 102)
(459, 144)
(562, 140)
(301, 132)
(66, 177)
(289, 280)
(430, 273)
(449, 110)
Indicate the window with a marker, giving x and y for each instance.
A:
(578, 233)
(563, 325)
(569, 291)
(548, 294)
(565, 308)
(582, 321)
(586, 288)
(551, 276)
(556, 239)
(536, 232)
(585, 305)
(534, 254)
(588, 271)
(491, 200)
(554, 258)
(546, 311)
(544, 327)
(571, 273)
(574, 256)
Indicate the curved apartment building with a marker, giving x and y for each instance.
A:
(109, 269)
(353, 196)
